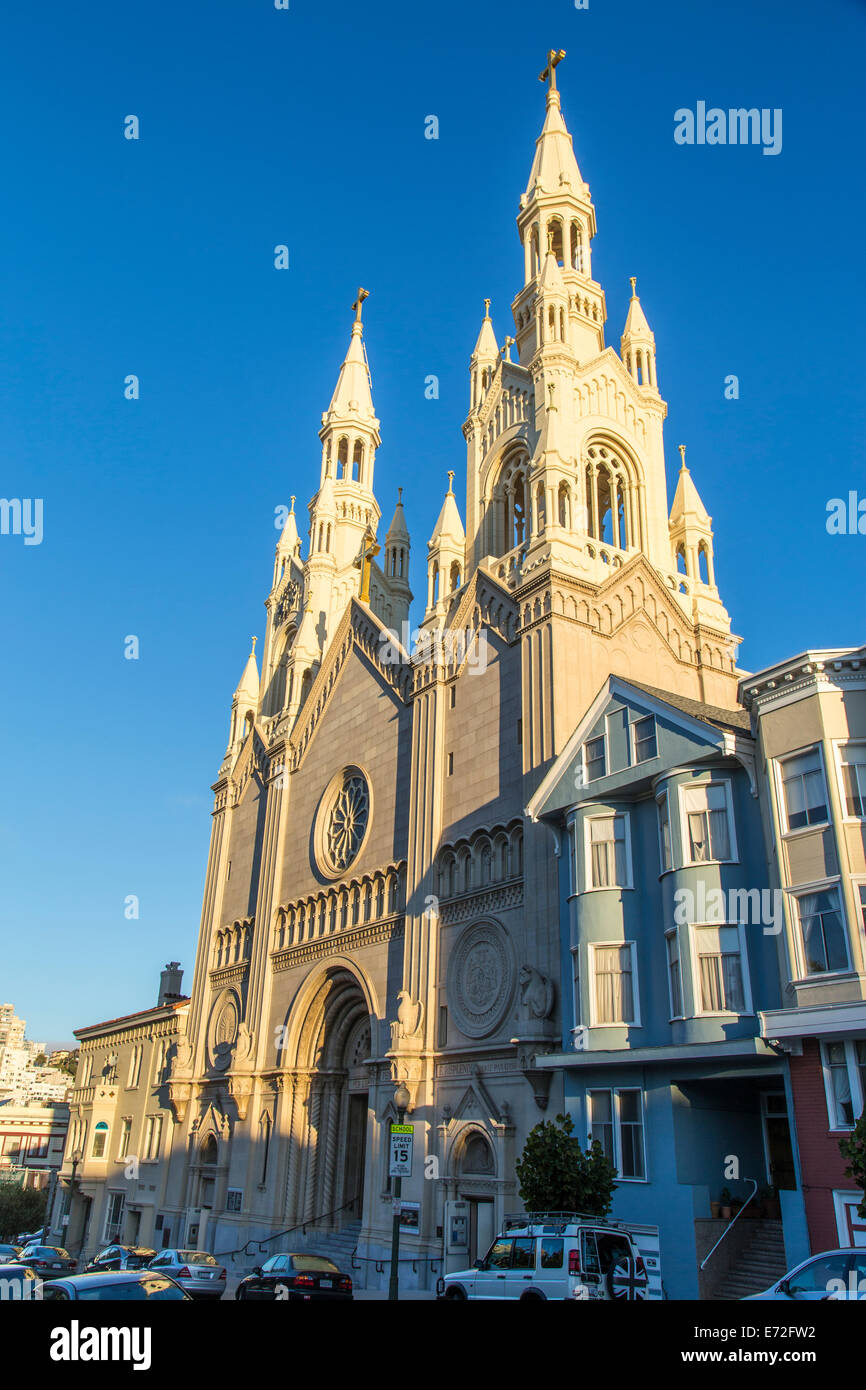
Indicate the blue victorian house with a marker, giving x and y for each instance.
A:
(668, 933)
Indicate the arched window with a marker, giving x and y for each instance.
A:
(100, 1140)
(476, 1156)
(703, 563)
(576, 247)
(455, 576)
(564, 506)
(554, 228)
(539, 508)
(681, 559)
(357, 461)
(342, 457)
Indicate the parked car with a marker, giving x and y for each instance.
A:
(19, 1281)
(115, 1286)
(10, 1253)
(48, 1260)
(835, 1274)
(31, 1238)
(295, 1278)
(195, 1270)
(554, 1256)
(120, 1257)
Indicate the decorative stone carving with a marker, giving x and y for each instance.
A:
(480, 979)
(243, 1048)
(536, 992)
(342, 822)
(224, 1031)
(410, 1015)
(240, 1089)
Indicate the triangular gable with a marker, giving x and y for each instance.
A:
(558, 788)
(359, 629)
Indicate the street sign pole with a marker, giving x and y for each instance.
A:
(400, 1161)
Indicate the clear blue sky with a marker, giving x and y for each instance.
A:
(155, 257)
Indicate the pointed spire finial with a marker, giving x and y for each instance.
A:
(399, 497)
(554, 58)
(292, 508)
(358, 304)
(253, 652)
(450, 479)
(487, 308)
(682, 449)
(633, 282)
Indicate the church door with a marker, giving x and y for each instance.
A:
(356, 1147)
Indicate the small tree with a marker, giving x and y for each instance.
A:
(853, 1148)
(556, 1174)
(21, 1209)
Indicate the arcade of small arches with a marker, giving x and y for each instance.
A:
(512, 408)
(369, 899)
(232, 945)
(603, 500)
(569, 240)
(696, 562)
(484, 859)
(443, 580)
(352, 460)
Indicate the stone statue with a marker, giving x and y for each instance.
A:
(536, 992)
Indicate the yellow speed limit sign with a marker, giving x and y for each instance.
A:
(402, 1137)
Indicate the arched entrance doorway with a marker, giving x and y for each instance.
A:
(333, 1045)
(476, 1174)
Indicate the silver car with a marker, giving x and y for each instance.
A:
(195, 1270)
(835, 1274)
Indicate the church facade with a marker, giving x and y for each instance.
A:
(378, 906)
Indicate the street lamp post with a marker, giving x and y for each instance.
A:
(401, 1100)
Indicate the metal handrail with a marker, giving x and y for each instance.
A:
(299, 1226)
(733, 1220)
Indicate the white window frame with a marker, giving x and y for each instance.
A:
(152, 1125)
(588, 885)
(685, 841)
(805, 890)
(664, 798)
(858, 1094)
(603, 736)
(111, 1233)
(839, 745)
(778, 764)
(124, 1137)
(133, 1077)
(594, 1022)
(632, 740)
(615, 1092)
(697, 992)
(673, 933)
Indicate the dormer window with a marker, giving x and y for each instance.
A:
(593, 758)
(644, 739)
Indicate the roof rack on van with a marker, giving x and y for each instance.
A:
(558, 1218)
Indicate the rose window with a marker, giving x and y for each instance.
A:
(347, 822)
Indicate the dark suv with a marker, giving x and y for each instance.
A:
(120, 1257)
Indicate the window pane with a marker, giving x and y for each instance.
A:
(551, 1253)
(601, 1121)
(645, 739)
(665, 833)
(613, 984)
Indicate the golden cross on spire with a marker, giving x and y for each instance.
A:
(554, 58)
(253, 652)
(633, 282)
(293, 503)
(450, 479)
(487, 308)
(362, 295)
(682, 449)
(364, 560)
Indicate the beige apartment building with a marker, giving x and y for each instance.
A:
(809, 717)
(115, 1172)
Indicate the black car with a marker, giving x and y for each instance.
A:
(115, 1286)
(115, 1257)
(49, 1260)
(294, 1278)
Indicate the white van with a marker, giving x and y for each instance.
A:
(555, 1255)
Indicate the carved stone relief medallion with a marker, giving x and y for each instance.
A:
(480, 979)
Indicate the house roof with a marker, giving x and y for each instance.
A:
(710, 714)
